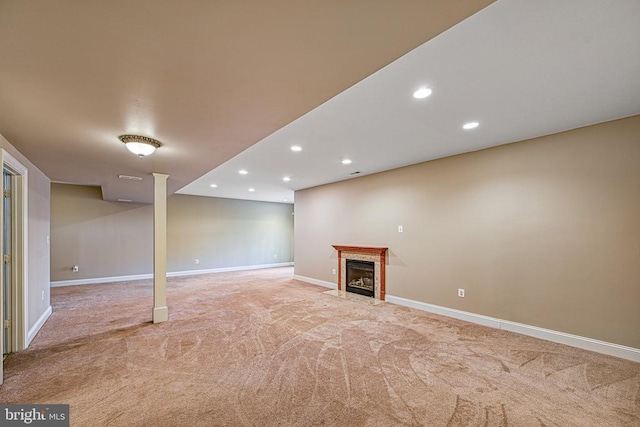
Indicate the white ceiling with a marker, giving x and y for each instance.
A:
(521, 68)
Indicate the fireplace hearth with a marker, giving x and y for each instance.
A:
(360, 277)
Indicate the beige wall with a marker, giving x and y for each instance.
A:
(103, 238)
(544, 232)
(108, 239)
(37, 233)
(227, 233)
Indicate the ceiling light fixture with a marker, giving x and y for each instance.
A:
(470, 125)
(243, 172)
(423, 92)
(346, 161)
(141, 146)
(286, 179)
(296, 148)
(213, 186)
(251, 190)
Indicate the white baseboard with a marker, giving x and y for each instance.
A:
(96, 280)
(604, 347)
(598, 346)
(227, 269)
(444, 311)
(329, 285)
(112, 279)
(36, 328)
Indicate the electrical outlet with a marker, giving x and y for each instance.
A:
(75, 269)
(461, 292)
(333, 271)
(400, 229)
(197, 261)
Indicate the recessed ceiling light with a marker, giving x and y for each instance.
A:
(243, 172)
(423, 92)
(213, 186)
(470, 125)
(346, 161)
(251, 190)
(286, 179)
(296, 148)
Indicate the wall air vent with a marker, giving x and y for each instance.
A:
(130, 177)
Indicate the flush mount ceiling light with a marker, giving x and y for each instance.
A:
(286, 179)
(470, 125)
(243, 172)
(346, 161)
(423, 92)
(252, 190)
(213, 186)
(296, 148)
(141, 146)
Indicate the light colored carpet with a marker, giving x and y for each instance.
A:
(258, 348)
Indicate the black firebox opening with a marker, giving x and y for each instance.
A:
(361, 277)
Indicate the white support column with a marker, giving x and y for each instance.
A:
(160, 309)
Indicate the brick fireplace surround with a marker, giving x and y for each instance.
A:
(377, 255)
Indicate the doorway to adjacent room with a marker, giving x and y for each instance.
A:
(13, 260)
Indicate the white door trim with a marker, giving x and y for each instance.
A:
(20, 249)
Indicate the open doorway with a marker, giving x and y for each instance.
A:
(13, 234)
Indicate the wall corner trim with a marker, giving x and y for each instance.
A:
(329, 285)
(584, 343)
(38, 325)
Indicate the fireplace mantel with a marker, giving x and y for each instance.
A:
(372, 250)
(365, 253)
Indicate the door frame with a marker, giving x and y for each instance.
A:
(19, 257)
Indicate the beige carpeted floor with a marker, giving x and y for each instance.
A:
(258, 348)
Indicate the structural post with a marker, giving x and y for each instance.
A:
(160, 309)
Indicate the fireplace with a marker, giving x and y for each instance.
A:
(360, 277)
(367, 265)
